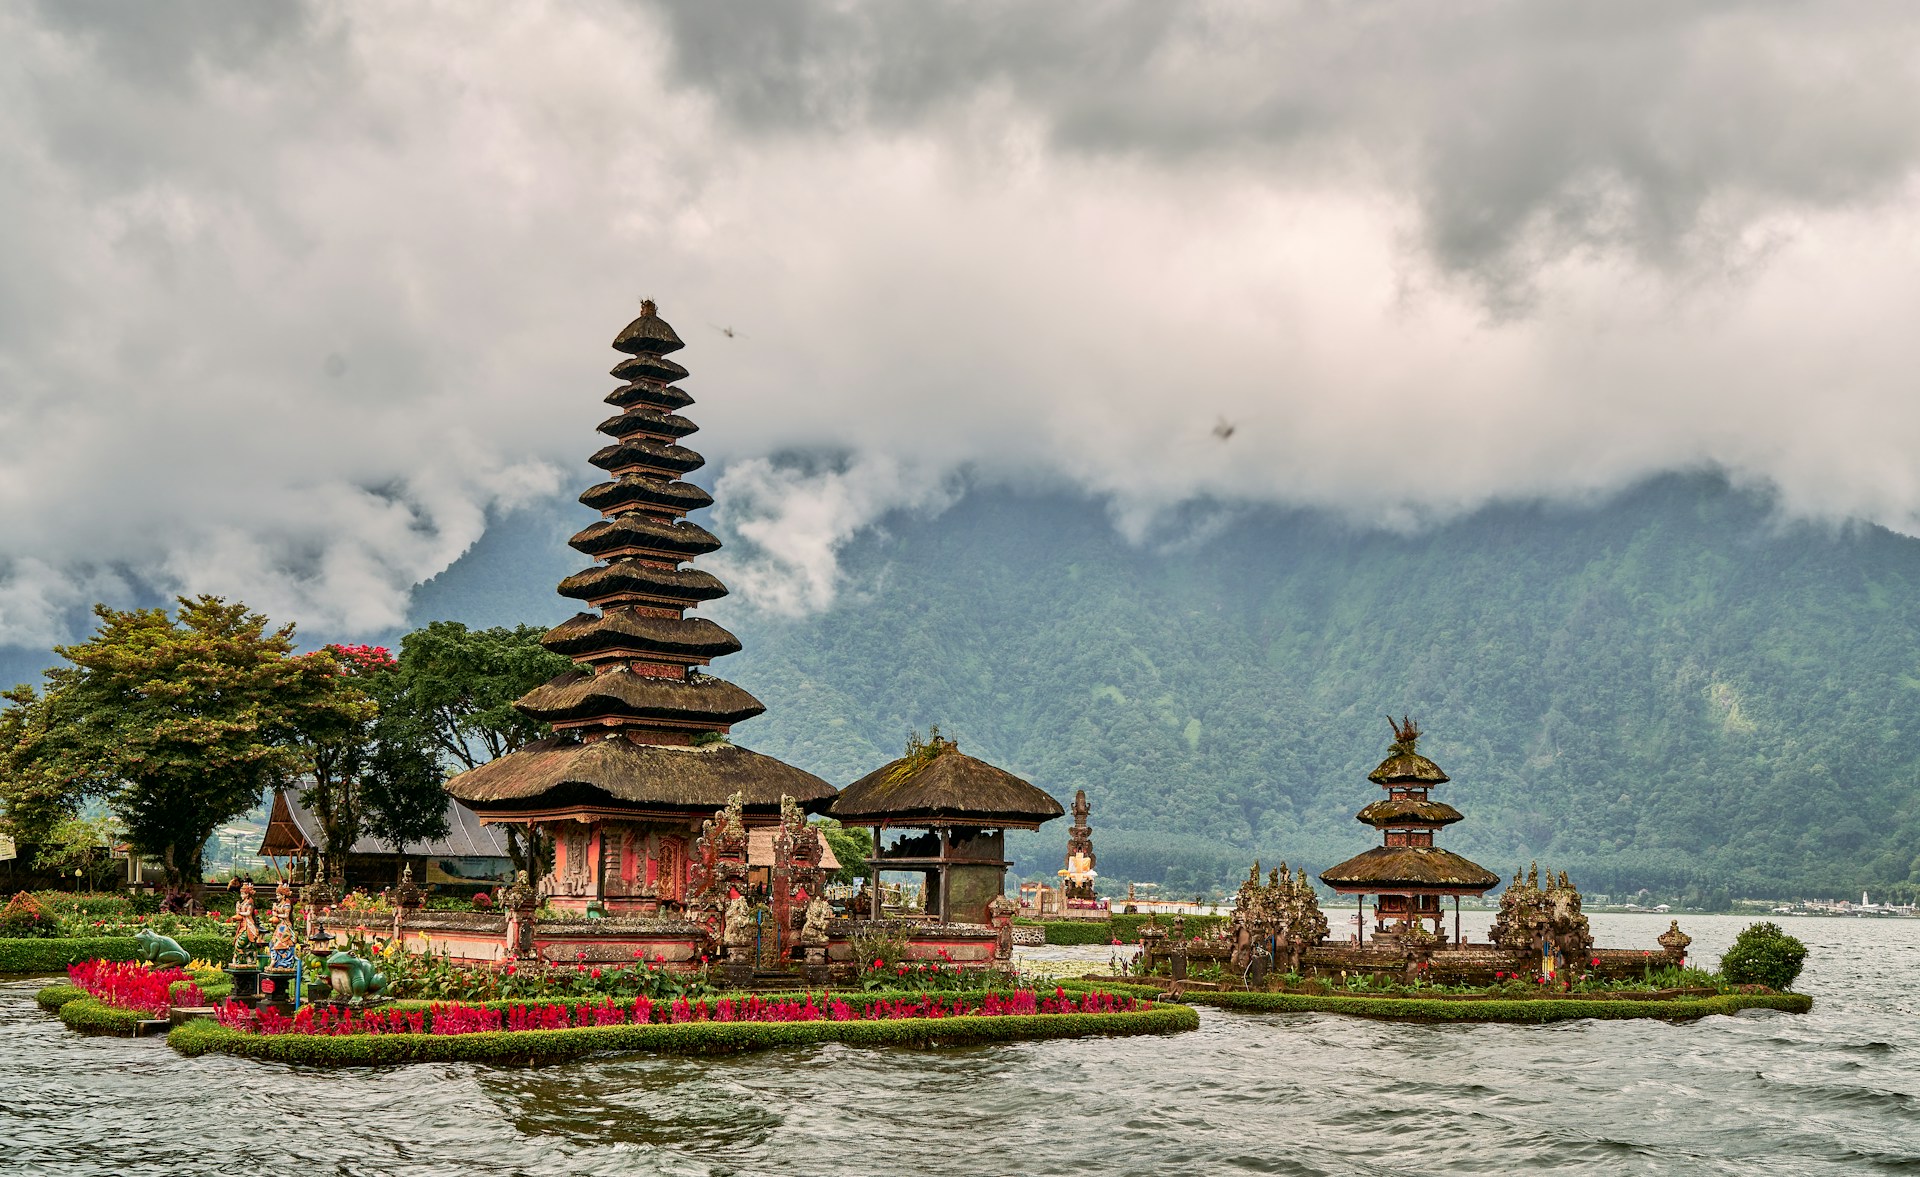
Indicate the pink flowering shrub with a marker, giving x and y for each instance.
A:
(461, 1018)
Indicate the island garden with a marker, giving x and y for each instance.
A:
(673, 891)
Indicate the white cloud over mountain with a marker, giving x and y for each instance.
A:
(294, 296)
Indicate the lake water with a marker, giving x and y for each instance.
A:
(1834, 1091)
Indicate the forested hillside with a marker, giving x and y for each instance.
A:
(1671, 691)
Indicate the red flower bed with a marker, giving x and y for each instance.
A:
(134, 986)
(461, 1018)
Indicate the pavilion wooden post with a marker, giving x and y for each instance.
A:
(1456, 921)
(946, 853)
(873, 873)
(1360, 920)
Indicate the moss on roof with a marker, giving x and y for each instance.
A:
(939, 784)
(1409, 811)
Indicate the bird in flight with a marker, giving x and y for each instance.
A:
(1224, 429)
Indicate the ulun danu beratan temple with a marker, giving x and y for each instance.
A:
(641, 811)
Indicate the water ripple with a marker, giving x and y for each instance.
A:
(1295, 1094)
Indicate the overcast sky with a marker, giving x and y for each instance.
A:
(291, 297)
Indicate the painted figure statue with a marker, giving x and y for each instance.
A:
(156, 949)
(281, 947)
(246, 926)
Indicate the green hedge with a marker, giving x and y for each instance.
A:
(53, 956)
(91, 1016)
(537, 1047)
(1436, 1009)
(54, 996)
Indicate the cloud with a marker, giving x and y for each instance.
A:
(791, 519)
(297, 295)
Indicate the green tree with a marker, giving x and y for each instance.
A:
(81, 846)
(1764, 954)
(461, 683)
(402, 797)
(852, 845)
(180, 723)
(464, 682)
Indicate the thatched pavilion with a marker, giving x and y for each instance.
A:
(1407, 873)
(960, 808)
(639, 755)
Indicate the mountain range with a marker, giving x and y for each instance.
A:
(1675, 690)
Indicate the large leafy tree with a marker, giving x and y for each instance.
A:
(371, 759)
(463, 682)
(460, 685)
(180, 722)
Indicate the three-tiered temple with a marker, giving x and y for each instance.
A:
(639, 755)
(1407, 873)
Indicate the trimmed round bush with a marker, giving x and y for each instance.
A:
(1764, 955)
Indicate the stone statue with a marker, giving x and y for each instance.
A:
(159, 950)
(354, 976)
(814, 931)
(1674, 943)
(738, 933)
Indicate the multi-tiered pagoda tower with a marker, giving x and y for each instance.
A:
(1407, 873)
(639, 755)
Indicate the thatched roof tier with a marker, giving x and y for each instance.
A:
(950, 789)
(563, 771)
(648, 367)
(632, 578)
(648, 334)
(623, 633)
(639, 490)
(1396, 870)
(1405, 811)
(1407, 767)
(648, 421)
(637, 532)
(647, 454)
(651, 393)
(579, 695)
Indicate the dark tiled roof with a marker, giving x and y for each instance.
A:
(293, 829)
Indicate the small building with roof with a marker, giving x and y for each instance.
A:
(943, 815)
(470, 857)
(1407, 874)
